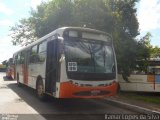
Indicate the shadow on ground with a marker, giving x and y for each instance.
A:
(7, 79)
(68, 109)
(147, 94)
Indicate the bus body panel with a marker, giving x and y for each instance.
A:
(141, 83)
(143, 80)
(19, 72)
(10, 72)
(68, 87)
(35, 71)
(63, 73)
(157, 79)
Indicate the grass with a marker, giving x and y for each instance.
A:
(153, 98)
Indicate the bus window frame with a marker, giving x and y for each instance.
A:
(32, 57)
(42, 52)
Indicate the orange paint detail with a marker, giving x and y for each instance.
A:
(150, 78)
(68, 90)
(25, 74)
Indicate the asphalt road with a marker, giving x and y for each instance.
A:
(21, 103)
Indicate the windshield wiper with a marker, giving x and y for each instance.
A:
(104, 56)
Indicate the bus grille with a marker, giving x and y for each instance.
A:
(91, 93)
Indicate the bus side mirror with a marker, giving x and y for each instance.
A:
(61, 45)
(62, 57)
(61, 49)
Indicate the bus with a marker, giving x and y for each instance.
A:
(2, 68)
(69, 62)
(10, 69)
(142, 80)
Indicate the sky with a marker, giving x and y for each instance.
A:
(148, 15)
(11, 11)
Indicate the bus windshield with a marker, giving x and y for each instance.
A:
(89, 57)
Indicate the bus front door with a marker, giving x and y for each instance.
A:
(51, 67)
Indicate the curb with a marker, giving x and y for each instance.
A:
(134, 108)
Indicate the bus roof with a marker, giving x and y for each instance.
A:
(154, 59)
(60, 31)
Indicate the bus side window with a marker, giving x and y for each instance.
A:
(15, 59)
(22, 58)
(138, 72)
(34, 55)
(18, 58)
(42, 51)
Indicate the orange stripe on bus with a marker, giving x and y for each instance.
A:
(68, 89)
(150, 78)
(25, 74)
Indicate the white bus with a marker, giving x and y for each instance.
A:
(142, 81)
(70, 62)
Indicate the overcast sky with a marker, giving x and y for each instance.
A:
(11, 11)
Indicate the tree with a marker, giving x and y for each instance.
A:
(4, 62)
(155, 52)
(124, 31)
(117, 17)
(144, 47)
(23, 33)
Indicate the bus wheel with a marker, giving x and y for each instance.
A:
(40, 90)
(118, 88)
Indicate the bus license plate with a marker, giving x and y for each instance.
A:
(95, 92)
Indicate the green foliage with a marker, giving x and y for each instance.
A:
(155, 52)
(117, 17)
(144, 47)
(146, 50)
(8, 62)
(5, 62)
(49, 16)
(143, 51)
(23, 33)
(125, 30)
(152, 51)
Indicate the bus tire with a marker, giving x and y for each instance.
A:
(18, 83)
(40, 90)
